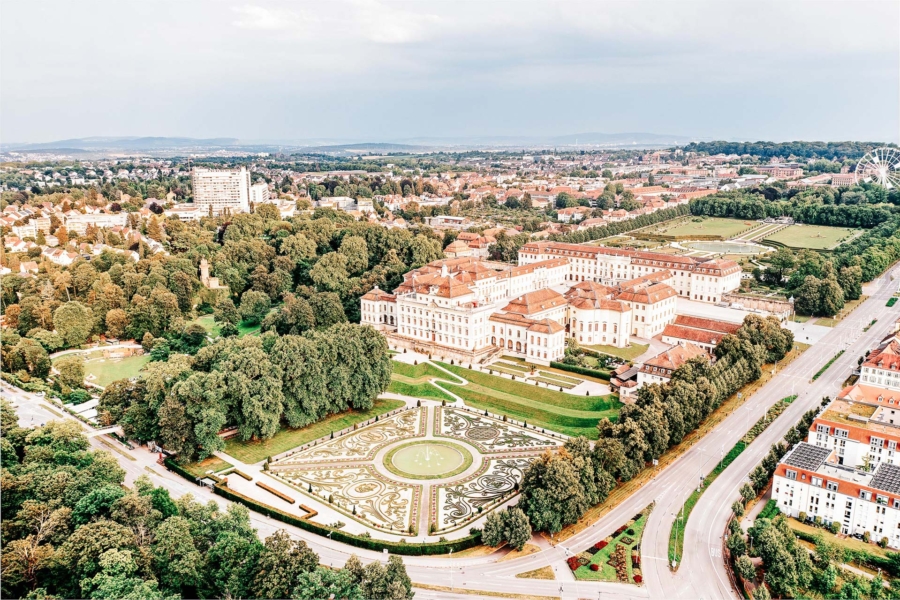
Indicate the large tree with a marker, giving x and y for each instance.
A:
(73, 321)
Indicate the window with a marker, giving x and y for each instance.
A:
(831, 486)
(817, 481)
(791, 475)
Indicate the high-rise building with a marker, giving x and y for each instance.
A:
(221, 190)
(259, 193)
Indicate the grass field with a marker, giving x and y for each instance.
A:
(287, 438)
(541, 407)
(629, 353)
(213, 463)
(725, 228)
(107, 370)
(813, 237)
(413, 380)
(213, 328)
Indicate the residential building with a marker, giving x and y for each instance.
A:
(881, 367)
(78, 223)
(843, 179)
(809, 480)
(259, 193)
(217, 191)
(861, 425)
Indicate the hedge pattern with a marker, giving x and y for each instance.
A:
(272, 490)
(581, 370)
(348, 538)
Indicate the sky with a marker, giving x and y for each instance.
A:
(370, 70)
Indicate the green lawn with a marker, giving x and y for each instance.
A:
(213, 463)
(548, 409)
(421, 371)
(107, 370)
(607, 572)
(419, 390)
(814, 237)
(629, 353)
(287, 438)
(725, 228)
(213, 328)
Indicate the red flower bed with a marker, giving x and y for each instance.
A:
(601, 545)
(595, 567)
(638, 579)
(573, 562)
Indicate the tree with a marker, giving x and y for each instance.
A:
(552, 492)
(744, 567)
(327, 309)
(299, 248)
(281, 563)
(174, 555)
(780, 264)
(254, 306)
(517, 529)
(330, 273)
(96, 504)
(118, 580)
(116, 322)
(850, 280)
(73, 321)
(225, 311)
(326, 583)
(71, 370)
(387, 581)
(492, 534)
(357, 253)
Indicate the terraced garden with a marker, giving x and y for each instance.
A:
(413, 380)
(556, 411)
(813, 237)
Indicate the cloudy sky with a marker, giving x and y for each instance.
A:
(370, 70)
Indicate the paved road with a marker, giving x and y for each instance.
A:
(701, 576)
(702, 573)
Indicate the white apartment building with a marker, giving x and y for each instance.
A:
(809, 480)
(696, 279)
(78, 223)
(259, 193)
(861, 426)
(221, 190)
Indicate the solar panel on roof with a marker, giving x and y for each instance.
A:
(887, 478)
(807, 456)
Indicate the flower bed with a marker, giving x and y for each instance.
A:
(616, 558)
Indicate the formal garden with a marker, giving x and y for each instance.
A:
(616, 557)
(421, 468)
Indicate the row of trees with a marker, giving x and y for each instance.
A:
(72, 530)
(254, 383)
(809, 206)
(558, 488)
(839, 150)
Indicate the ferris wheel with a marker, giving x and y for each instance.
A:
(882, 166)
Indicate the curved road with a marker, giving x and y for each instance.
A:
(702, 574)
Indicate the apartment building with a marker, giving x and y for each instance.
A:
(259, 193)
(217, 191)
(697, 279)
(811, 481)
(78, 223)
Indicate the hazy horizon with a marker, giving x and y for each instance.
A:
(362, 70)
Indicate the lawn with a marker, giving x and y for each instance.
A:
(287, 438)
(107, 370)
(419, 390)
(849, 543)
(213, 329)
(601, 558)
(423, 371)
(566, 413)
(813, 237)
(213, 463)
(629, 353)
(705, 226)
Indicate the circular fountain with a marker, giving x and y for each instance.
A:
(428, 460)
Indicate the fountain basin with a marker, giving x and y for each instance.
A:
(429, 459)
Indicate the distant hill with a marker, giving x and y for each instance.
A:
(123, 143)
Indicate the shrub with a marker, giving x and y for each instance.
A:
(572, 561)
(638, 579)
(595, 567)
(802, 517)
(834, 527)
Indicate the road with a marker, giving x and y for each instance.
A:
(702, 574)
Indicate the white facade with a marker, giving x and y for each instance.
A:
(78, 223)
(259, 193)
(701, 280)
(808, 481)
(221, 190)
